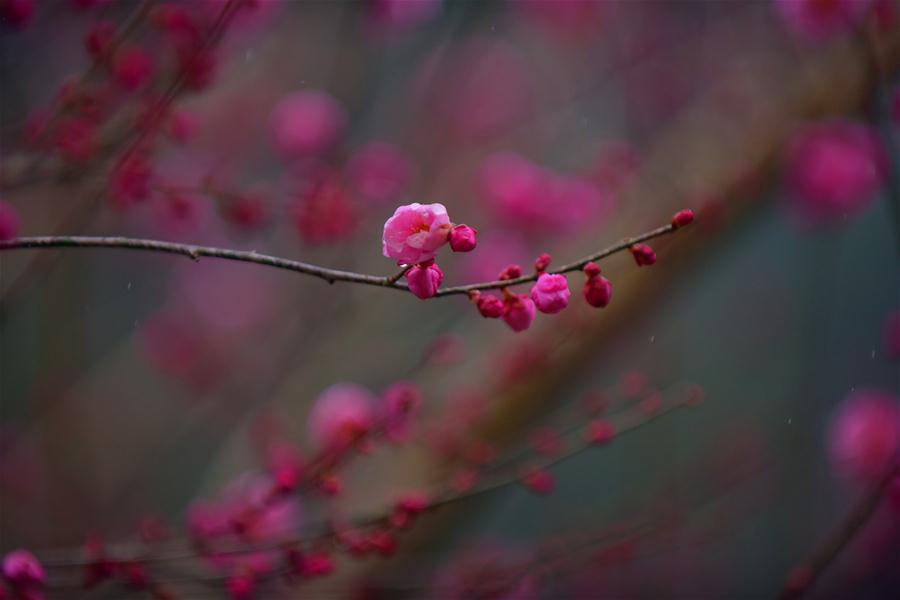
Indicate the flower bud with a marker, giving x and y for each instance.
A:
(550, 293)
(424, 281)
(643, 254)
(463, 238)
(519, 312)
(682, 218)
(542, 262)
(597, 291)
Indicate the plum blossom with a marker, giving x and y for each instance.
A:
(550, 293)
(307, 122)
(865, 434)
(415, 232)
(341, 414)
(22, 568)
(834, 169)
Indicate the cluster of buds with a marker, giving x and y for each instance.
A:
(412, 237)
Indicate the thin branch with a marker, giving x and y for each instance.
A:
(805, 575)
(330, 275)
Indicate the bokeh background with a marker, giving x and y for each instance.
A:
(133, 384)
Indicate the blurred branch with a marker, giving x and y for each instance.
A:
(805, 575)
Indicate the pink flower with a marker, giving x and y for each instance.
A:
(340, 415)
(307, 122)
(834, 169)
(415, 232)
(9, 221)
(519, 312)
(22, 568)
(819, 19)
(643, 254)
(463, 238)
(550, 293)
(424, 281)
(380, 172)
(402, 400)
(865, 434)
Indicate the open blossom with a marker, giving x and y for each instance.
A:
(341, 414)
(519, 312)
(865, 434)
(415, 232)
(834, 169)
(307, 122)
(550, 293)
(819, 19)
(424, 281)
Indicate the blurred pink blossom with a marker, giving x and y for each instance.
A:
(341, 414)
(306, 122)
(834, 169)
(380, 172)
(865, 434)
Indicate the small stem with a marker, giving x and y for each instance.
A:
(395, 278)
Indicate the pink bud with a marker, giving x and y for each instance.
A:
(511, 272)
(9, 222)
(592, 269)
(519, 312)
(550, 293)
(462, 238)
(597, 291)
(600, 432)
(490, 306)
(22, 568)
(542, 262)
(383, 542)
(682, 218)
(424, 281)
(643, 254)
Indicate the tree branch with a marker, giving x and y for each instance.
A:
(330, 275)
